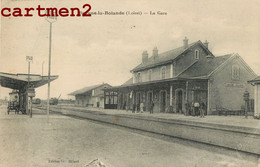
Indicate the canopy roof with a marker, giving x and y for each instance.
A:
(256, 80)
(155, 82)
(20, 81)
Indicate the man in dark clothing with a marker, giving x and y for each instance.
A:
(133, 109)
(202, 109)
(187, 108)
(151, 107)
(196, 108)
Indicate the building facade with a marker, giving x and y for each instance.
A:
(180, 77)
(91, 96)
(256, 83)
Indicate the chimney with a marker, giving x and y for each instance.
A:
(185, 43)
(206, 44)
(144, 57)
(155, 53)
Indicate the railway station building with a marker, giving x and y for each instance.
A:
(91, 96)
(182, 76)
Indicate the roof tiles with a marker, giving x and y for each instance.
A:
(163, 57)
(204, 67)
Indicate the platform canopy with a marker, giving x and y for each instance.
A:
(255, 81)
(20, 81)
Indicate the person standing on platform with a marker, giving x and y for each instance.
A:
(127, 106)
(133, 109)
(151, 107)
(187, 109)
(138, 108)
(124, 106)
(196, 108)
(202, 109)
(142, 107)
(192, 109)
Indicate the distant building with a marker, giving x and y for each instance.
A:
(256, 83)
(188, 74)
(90, 96)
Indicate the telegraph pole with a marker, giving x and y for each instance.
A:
(51, 20)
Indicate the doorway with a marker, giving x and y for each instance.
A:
(138, 101)
(163, 101)
(179, 100)
(149, 100)
(121, 101)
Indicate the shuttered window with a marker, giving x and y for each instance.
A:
(163, 72)
(235, 72)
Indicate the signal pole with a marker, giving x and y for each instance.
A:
(51, 20)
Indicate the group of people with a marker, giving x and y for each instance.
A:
(195, 109)
(141, 107)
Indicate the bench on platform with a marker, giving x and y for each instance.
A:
(226, 112)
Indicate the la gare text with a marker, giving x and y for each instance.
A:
(49, 12)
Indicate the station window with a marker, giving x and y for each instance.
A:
(163, 72)
(235, 72)
(197, 54)
(107, 101)
(173, 70)
(138, 77)
(111, 97)
(150, 75)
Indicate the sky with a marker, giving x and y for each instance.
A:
(91, 50)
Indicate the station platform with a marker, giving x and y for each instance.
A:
(232, 132)
(231, 121)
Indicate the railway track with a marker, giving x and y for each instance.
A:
(104, 119)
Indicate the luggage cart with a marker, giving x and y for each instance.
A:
(13, 103)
